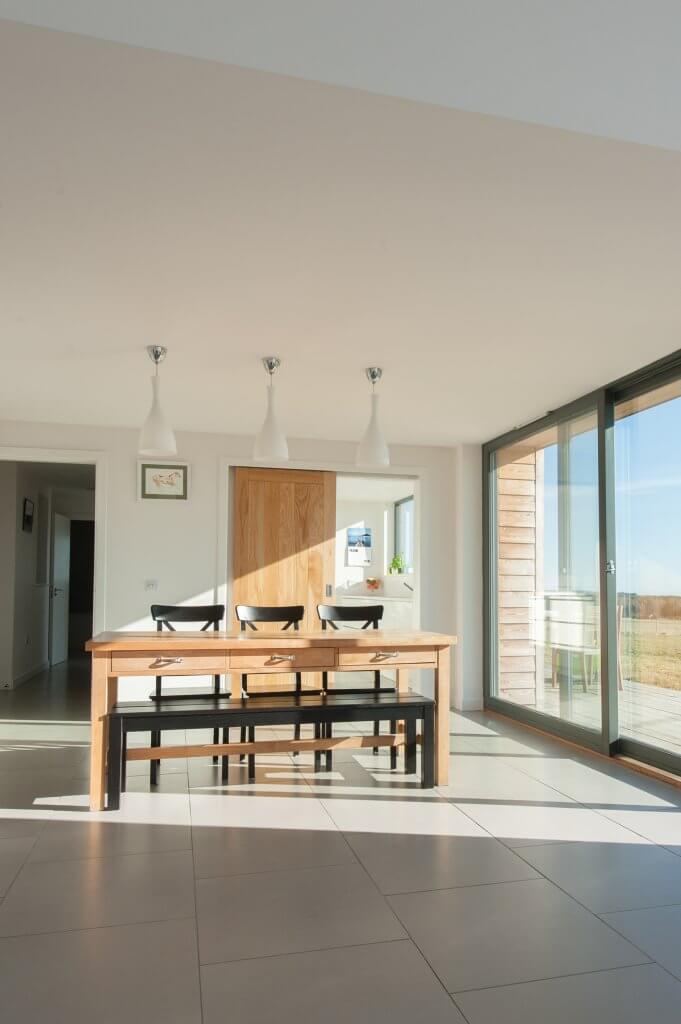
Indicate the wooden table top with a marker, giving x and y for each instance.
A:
(234, 640)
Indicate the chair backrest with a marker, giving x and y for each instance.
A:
(167, 614)
(290, 615)
(369, 614)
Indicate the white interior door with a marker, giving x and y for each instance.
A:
(59, 589)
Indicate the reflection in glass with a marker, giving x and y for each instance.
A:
(547, 572)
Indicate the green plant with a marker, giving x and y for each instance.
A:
(398, 564)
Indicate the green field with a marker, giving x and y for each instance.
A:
(650, 651)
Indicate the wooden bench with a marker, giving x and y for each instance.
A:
(306, 709)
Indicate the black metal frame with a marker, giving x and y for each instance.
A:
(318, 710)
(602, 401)
(166, 615)
(370, 615)
(247, 615)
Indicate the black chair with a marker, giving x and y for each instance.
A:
(169, 615)
(369, 616)
(248, 615)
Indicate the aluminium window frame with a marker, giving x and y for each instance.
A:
(602, 401)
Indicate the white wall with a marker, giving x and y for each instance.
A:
(467, 520)
(183, 545)
(368, 515)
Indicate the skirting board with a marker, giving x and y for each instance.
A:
(25, 676)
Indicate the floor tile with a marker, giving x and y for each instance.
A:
(657, 932)
(70, 840)
(478, 778)
(660, 825)
(522, 824)
(595, 782)
(259, 809)
(11, 826)
(628, 995)
(423, 815)
(58, 895)
(256, 915)
(610, 876)
(503, 934)
(13, 853)
(142, 972)
(385, 983)
(404, 863)
(234, 851)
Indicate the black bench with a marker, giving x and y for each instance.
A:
(305, 709)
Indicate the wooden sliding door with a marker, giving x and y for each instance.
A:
(284, 537)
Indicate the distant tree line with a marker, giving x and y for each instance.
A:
(650, 606)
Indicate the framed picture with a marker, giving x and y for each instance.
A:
(27, 516)
(359, 546)
(163, 481)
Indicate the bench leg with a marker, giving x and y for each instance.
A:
(225, 757)
(410, 748)
(155, 766)
(393, 750)
(317, 753)
(114, 764)
(329, 753)
(251, 757)
(216, 732)
(428, 748)
(124, 760)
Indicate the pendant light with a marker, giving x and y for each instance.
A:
(271, 444)
(372, 450)
(157, 437)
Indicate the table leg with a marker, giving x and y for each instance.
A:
(104, 689)
(442, 686)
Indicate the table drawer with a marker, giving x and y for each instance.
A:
(385, 657)
(180, 663)
(299, 660)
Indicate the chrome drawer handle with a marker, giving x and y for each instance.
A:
(166, 661)
(387, 654)
(282, 657)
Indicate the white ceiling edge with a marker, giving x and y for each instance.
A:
(602, 67)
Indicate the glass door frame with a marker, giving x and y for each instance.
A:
(602, 401)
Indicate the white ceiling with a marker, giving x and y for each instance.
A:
(494, 269)
(606, 67)
(384, 489)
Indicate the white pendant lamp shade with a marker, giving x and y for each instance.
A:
(271, 444)
(372, 450)
(157, 437)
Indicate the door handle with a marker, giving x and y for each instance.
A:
(57, 590)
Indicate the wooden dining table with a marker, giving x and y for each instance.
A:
(117, 655)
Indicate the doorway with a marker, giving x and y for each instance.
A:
(47, 513)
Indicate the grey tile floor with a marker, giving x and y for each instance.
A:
(541, 884)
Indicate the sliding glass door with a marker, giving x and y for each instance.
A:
(583, 568)
(545, 562)
(648, 517)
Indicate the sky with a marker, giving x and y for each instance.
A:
(648, 505)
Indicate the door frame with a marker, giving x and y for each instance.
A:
(79, 456)
(224, 569)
